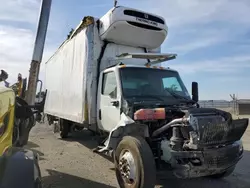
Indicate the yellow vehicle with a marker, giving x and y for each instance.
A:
(7, 107)
(18, 167)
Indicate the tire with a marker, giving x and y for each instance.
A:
(15, 136)
(225, 174)
(24, 130)
(144, 163)
(38, 183)
(64, 128)
(50, 119)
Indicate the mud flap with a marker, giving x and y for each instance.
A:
(19, 168)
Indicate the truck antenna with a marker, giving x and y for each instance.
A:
(115, 3)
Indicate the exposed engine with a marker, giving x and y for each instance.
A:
(195, 128)
(185, 133)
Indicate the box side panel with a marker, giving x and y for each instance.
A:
(66, 80)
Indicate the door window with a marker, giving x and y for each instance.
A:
(171, 83)
(109, 85)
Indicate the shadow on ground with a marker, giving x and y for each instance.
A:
(58, 179)
(87, 139)
(31, 146)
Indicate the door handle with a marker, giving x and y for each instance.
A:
(100, 114)
(115, 103)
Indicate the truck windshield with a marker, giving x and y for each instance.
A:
(152, 83)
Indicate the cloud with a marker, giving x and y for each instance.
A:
(17, 41)
(224, 65)
(204, 37)
(19, 10)
(16, 47)
(179, 13)
(200, 25)
(197, 44)
(15, 50)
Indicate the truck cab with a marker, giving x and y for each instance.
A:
(150, 107)
(145, 85)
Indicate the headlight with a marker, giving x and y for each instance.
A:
(241, 148)
(240, 145)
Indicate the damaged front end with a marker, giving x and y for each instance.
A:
(204, 142)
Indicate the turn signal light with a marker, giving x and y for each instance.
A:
(150, 114)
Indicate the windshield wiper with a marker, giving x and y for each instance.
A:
(148, 96)
(177, 96)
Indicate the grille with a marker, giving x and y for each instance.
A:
(212, 130)
(144, 16)
(144, 26)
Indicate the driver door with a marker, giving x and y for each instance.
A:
(109, 109)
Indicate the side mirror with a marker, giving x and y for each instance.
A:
(195, 92)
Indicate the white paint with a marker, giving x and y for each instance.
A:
(114, 27)
(65, 80)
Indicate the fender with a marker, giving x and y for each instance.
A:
(19, 168)
(125, 127)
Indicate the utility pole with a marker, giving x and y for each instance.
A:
(38, 50)
(234, 103)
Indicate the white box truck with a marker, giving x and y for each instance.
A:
(104, 78)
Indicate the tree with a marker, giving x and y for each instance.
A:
(70, 33)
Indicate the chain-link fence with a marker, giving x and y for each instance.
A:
(230, 106)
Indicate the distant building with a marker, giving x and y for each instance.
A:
(244, 106)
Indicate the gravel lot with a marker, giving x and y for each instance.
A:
(72, 164)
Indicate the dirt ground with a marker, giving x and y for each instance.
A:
(72, 164)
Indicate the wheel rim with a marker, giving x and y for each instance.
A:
(127, 167)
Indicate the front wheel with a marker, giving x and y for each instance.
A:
(134, 163)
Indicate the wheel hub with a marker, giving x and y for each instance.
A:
(127, 167)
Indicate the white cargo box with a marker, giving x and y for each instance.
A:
(131, 27)
(66, 80)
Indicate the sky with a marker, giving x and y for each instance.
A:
(211, 38)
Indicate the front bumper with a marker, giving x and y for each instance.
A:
(190, 164)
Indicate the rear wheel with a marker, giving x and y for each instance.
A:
(134, 163)
(227, 173)
(64, 128)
